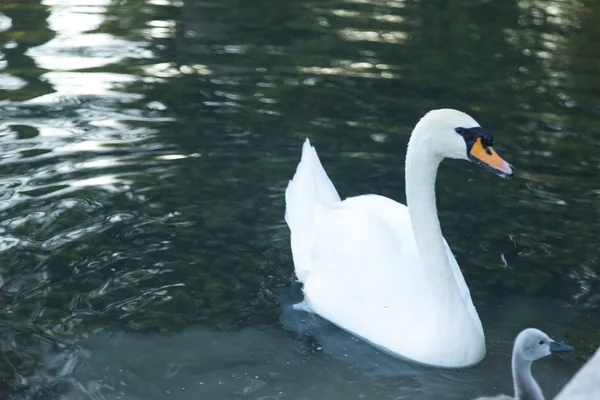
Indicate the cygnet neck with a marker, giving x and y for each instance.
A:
(526, 387)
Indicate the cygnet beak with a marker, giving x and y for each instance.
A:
(558, 347)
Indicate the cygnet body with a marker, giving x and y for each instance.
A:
(530, 345)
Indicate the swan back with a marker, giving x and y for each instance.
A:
(586, 382)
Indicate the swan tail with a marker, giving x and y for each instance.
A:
(309, 188)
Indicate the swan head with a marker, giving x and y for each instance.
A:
(533, 344)
(454, 134)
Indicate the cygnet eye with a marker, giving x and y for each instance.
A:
(542, 341)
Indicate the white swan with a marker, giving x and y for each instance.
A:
(585, 384)
(383, 271)
(530, 345)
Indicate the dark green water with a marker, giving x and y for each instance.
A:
(146, 146)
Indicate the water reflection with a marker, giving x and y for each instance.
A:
(146, 146)
(20, 76)
(76, 46)
(69, 150)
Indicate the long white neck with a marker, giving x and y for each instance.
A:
(421, 171)
(526, 388)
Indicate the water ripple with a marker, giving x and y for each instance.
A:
(147, 144)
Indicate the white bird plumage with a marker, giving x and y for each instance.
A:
(381, 270)
(585, 384)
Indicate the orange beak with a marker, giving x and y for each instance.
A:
(487, 157)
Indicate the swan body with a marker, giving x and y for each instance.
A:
(530, 345)
(381, 270)
(585, 384)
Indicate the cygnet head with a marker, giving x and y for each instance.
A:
(533, 344)
(453, 134)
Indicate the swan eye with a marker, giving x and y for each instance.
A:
(487, 140)
(542, 341)
(473, 134)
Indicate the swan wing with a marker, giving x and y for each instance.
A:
(367, 278)
(464, 289)
(398, 219)
(355, 281)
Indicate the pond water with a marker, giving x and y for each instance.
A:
(146, 146)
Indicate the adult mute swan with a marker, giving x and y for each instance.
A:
(530, 345)
(383, 271)
(585, 384)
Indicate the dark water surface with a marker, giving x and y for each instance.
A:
(146, 146)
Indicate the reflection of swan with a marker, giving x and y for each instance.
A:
(381, 270)
(586, 382)
(530, 345)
